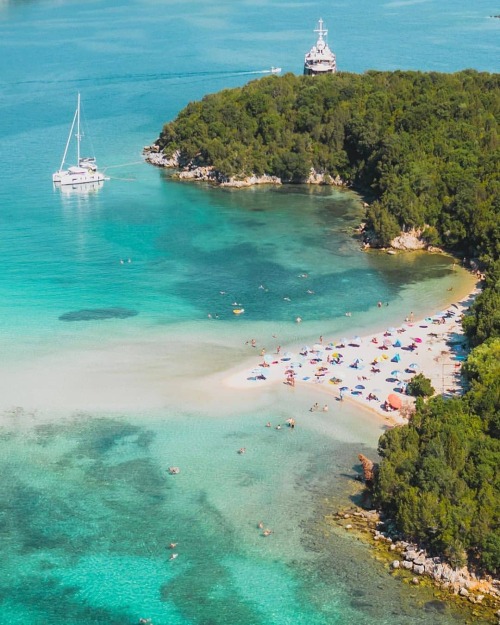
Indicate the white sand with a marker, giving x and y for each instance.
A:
(437, 342)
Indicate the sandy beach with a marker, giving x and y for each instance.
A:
(371, 370)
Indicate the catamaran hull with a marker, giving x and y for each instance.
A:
(65, 178)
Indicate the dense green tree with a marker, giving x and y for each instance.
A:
(420, 386)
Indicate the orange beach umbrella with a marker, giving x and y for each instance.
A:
(394, 401)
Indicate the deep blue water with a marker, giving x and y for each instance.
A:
(86, 507)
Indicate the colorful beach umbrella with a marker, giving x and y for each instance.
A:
(394, 401)
(396, 358)
(417, 339)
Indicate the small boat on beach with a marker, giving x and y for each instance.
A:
(85, 171)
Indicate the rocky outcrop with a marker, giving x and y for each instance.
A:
(413, 559)
(409, 241)
(368, 468)
(321, 178)
(153, 155)
(209, 174)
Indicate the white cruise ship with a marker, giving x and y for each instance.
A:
(320, 59)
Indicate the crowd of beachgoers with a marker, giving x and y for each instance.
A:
(374, 370)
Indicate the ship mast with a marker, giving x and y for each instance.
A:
(320, 30)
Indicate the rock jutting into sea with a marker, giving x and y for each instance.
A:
(407, 556)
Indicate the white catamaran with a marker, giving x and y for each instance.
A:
(85, 171)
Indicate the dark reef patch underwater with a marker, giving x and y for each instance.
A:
(97, 314)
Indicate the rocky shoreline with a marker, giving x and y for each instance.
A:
(405, 558)
(207, 173)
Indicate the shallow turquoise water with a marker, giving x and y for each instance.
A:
(87, 506)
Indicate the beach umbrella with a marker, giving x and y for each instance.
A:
(356, 341)
(287, 356)
(305, 349)
(396, 374)
(396, 358)
(342, 343)
(397, 343)
(384, 356)
(391, 330)
(387, 343)
(401, 385)
(317, 347)
(417, 339)
(344, 388)
(413, 367)
(359, 387)
(268, 358)
(394, 401)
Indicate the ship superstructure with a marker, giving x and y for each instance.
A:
(320, 59)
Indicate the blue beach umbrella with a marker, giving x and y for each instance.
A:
(359, 387)
(396, 358)
(397, 343)
(344, 388)
(396, 374)
(413, 367)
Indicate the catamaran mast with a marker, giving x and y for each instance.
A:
(78, 136)
(69, 136)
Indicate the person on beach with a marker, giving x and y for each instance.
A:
(325, 408)
(253, 342)
(278, 349)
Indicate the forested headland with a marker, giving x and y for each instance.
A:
(423, 148)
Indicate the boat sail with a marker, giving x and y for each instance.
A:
(320, 59)
(85, 171)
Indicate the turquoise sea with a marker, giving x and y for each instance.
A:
(112, 370)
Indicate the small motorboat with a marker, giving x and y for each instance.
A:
(174, 470)
(173, 556)
(238, 311)
(275, 70)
